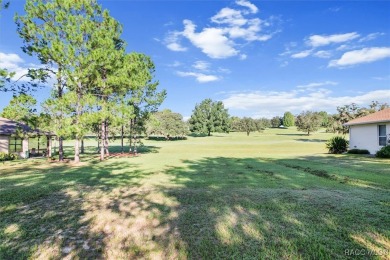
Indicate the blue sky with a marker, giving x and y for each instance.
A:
(261, 58)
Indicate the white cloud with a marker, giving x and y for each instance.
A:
(211, 41)
(224, 70)
(382, 78)
(229, 16)
(172, 42)
(251, 6)
(322, 40)
(14, 63)
(200, 77)
(243, 56)
(302, 54)
(334, 9)
(273, 103)
(284, 64)
(323, 54)
(365, 55)
(371, 36)
(317, 84)
(232, 28)
(201, 65)
(175, 64)
(176, 47)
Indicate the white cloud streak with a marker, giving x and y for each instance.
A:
(302, 54)
(317, 84)
(251, 6)
(201, 65)
(323, 54)
(322, 40)
(365, 55)
(200, 77)
(371, 36)
(273, 103)
(172, 42)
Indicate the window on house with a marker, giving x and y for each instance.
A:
(15, 145)
(382, 135)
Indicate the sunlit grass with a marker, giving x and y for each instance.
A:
(271, 195)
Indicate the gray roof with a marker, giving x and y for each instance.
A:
(9, 127)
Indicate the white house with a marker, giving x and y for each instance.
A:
(20, 139)
(370, 132)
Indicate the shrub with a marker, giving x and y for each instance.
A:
(7, 157)
(337, 144)
(384, 152)
(358, 151)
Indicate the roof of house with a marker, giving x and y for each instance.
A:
(377, 117)
(9, 127)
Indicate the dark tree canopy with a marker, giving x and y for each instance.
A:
(308, 121)
(276, 121)
(166, 123)
(209, 116)
(349, 112)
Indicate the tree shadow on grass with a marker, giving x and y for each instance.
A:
(215, 208)
(293, 134)
(253, 208)
(311, 140)
(49, 212)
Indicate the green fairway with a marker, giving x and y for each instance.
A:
(270, 195)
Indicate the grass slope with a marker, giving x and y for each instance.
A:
(271, 195)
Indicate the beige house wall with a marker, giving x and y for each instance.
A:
(366, 136)
(4, 143)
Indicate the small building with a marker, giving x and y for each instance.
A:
(370, 132)
(20, 139)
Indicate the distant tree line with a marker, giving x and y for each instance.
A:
(311, 121)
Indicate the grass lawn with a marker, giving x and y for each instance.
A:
(272, 195)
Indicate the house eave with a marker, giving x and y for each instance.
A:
(367, 123)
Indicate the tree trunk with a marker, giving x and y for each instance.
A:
(130, 128)
(60, 149)
(247, 133)
(106, 138)
(122, 148)
(102, 142)
(209, 134)
(77, 150)
(78, 115)
(60, 140)
(82, 146)
(48, 148)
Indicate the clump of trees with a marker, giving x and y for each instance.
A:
(209, 116)
(248, 124)
(308, 121)
(335, 123)
(276, 121)
(166, 123)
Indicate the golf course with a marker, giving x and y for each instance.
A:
(275, 194)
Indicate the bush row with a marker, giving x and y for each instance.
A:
(358, 151)
(384, 152)
(7, 156)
